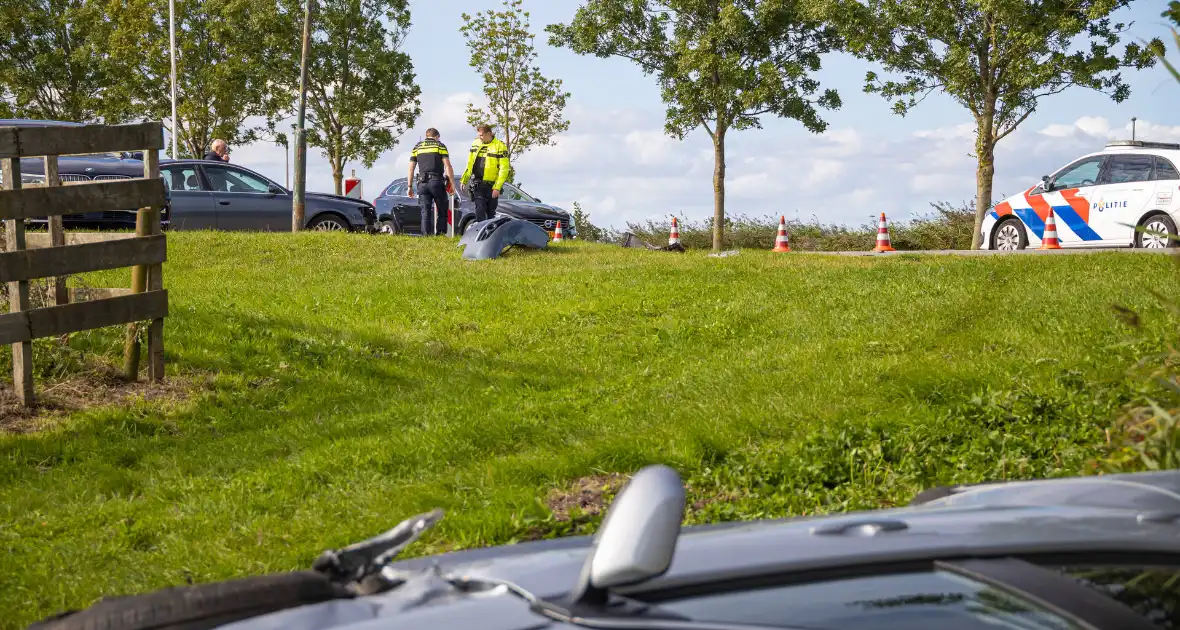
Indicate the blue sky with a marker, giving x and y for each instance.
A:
(617, 163)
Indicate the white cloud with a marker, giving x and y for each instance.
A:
(620, 166)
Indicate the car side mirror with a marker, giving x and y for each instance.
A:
(274, 190)
(635, 543)
(1046, 184)
(537, 199)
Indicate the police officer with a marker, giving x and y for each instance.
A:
(487, 170)
(431, 158)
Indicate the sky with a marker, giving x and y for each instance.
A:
(617, 163)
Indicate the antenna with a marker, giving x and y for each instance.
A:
(1133, 119)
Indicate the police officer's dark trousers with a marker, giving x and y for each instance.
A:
(485, 203)
(432, 192)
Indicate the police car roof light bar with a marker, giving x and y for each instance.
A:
(1144, 144)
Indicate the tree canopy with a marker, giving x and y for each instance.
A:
(523, 105)
(228, 54)
(996, 58)
(721, 64)
(362, 94)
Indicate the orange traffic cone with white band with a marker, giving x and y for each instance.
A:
(1049, 241)
(674, 236)
(557, 234)
(780, 242)
(883, 244)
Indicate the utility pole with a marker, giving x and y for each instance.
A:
(172, 52)
(300, 136)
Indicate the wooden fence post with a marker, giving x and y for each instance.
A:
(57, 234)
(18, 294)
(155, 279)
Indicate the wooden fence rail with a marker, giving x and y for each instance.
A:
(56, 254)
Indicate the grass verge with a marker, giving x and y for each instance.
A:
(350, 381)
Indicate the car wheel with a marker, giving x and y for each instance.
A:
(1160, 224)
(387, 227)
(1009, 235)
(329, 223)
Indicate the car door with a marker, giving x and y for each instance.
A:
(1068, 193)
(1126, 190)
(247, 201)
(193, 206)
(1167, 186)
(405, 208)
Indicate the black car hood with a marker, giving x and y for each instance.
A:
(337, 197)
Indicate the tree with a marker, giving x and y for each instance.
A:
(721, 64)
(997, 58)
(51, 65)
(228, 53)
(522, 103)
(1173, 13)
(361, 89)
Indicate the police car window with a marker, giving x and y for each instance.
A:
(185, 178)
(1130, 168)
(1153, 592)
(224, 179)
(1165, 169)
(1084, 173)
(900, 601)
(398, 189)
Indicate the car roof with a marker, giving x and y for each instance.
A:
(1170, 150)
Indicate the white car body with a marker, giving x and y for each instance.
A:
(1098, 200)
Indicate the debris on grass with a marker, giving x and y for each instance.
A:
(587, 496)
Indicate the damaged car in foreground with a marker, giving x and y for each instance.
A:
(1097, 553)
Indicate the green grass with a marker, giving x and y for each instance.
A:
(358, 380)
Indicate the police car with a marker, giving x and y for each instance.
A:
(1098, 200)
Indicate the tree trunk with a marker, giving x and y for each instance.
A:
(985, 169)
(718, 187)
(338, 174)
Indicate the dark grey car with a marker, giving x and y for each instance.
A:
(208, 195)
(1093, 553)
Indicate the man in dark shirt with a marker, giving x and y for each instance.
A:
(218, 152)
(432, 158)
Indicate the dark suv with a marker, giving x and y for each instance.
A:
(399, 213)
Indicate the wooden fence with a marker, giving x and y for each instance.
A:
(56, 254)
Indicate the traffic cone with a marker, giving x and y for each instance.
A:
(883, 244)
(557, 234)
(780, 242)
(1049, 241)
(674, 236)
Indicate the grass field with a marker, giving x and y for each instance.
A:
(347, 382)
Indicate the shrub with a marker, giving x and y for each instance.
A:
(947, 227)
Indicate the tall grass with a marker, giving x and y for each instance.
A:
(945, 227)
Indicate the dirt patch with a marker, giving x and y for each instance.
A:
(102, 386)
(589, 495)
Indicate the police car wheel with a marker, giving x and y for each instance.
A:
(1154, 227)
(1009, 236)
